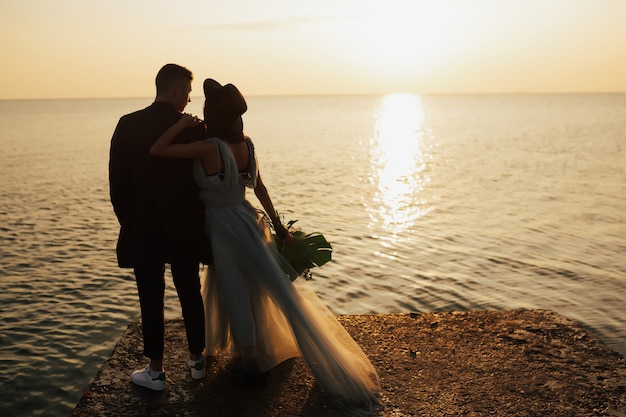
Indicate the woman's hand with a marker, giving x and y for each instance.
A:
(284, 235)
(288, 238)
(189, 120)
(163, 145)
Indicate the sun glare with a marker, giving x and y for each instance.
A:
(404, 36)
(397, 167)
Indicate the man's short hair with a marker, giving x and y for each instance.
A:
(170, 74)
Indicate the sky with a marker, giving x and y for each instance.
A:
(114, 48)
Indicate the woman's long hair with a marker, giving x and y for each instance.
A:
(227, 130)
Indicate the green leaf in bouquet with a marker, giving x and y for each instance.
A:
(305, 252)
(320, 251)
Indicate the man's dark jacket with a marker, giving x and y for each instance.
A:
(155, 199)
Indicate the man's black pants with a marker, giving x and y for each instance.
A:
(151, 287)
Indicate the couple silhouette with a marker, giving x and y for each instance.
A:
(178, 188)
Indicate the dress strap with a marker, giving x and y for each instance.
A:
(253, 166)
(219, 157)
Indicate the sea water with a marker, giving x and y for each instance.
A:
(431, 203)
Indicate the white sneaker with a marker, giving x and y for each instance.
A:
(198, 368)
(148, 378)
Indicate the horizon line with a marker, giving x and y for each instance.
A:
(332, 95)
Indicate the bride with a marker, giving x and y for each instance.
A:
(251, 305)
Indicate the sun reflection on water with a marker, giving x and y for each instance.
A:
(397, 166)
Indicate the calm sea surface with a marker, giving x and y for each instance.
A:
(432, 203)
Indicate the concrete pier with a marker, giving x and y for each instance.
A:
(474, 363)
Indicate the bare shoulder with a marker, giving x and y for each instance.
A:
(206, 146)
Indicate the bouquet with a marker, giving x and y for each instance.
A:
(306, 251)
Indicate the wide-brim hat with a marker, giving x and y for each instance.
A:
(223, 101)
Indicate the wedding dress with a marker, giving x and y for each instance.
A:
(249, 299)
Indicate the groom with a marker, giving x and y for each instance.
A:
(155, 201)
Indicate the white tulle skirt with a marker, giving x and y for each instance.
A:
(249, 300)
